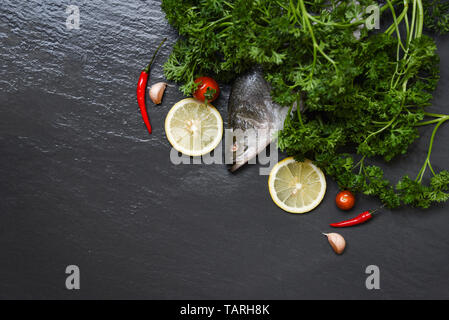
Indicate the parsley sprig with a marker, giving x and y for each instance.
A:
(364, 97)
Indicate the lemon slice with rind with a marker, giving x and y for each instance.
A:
(296, 187)
(193, 128)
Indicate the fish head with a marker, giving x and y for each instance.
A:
(253, 117)
(245, 145)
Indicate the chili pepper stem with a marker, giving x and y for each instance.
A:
(147, 69)
(377, 210)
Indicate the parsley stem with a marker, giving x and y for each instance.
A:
(360, 163)
(228, 4)
(392, 28)
(305, 17)
(293, 11)
(431, 168)
(420, 20)
(334, 24)
(425, 123)
(288, 117)
(395, 81)
(389, 123)
(436, 115)
(298, 110)
(413, 23)
(384, 7)
(218, 21)
(396, 25)
(429, 152)
(407, 26)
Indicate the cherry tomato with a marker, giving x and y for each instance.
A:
(345, 200)
(208, 89)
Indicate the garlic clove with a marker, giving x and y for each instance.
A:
(336, 241)
(157, 92)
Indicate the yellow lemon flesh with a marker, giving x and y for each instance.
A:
(193, 128)
(296, 187)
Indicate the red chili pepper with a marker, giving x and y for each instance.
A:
(361, 218)
(141, 89)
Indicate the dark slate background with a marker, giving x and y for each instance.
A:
(83, 183)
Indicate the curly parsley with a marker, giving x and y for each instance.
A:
(364, 96)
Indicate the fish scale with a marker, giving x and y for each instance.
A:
(251, 108)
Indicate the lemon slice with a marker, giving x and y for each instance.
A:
(296, 187)
(193, 128)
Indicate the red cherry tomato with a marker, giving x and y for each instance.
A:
(345, 200)
(208, 89)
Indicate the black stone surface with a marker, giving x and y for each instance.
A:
(83, 183)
